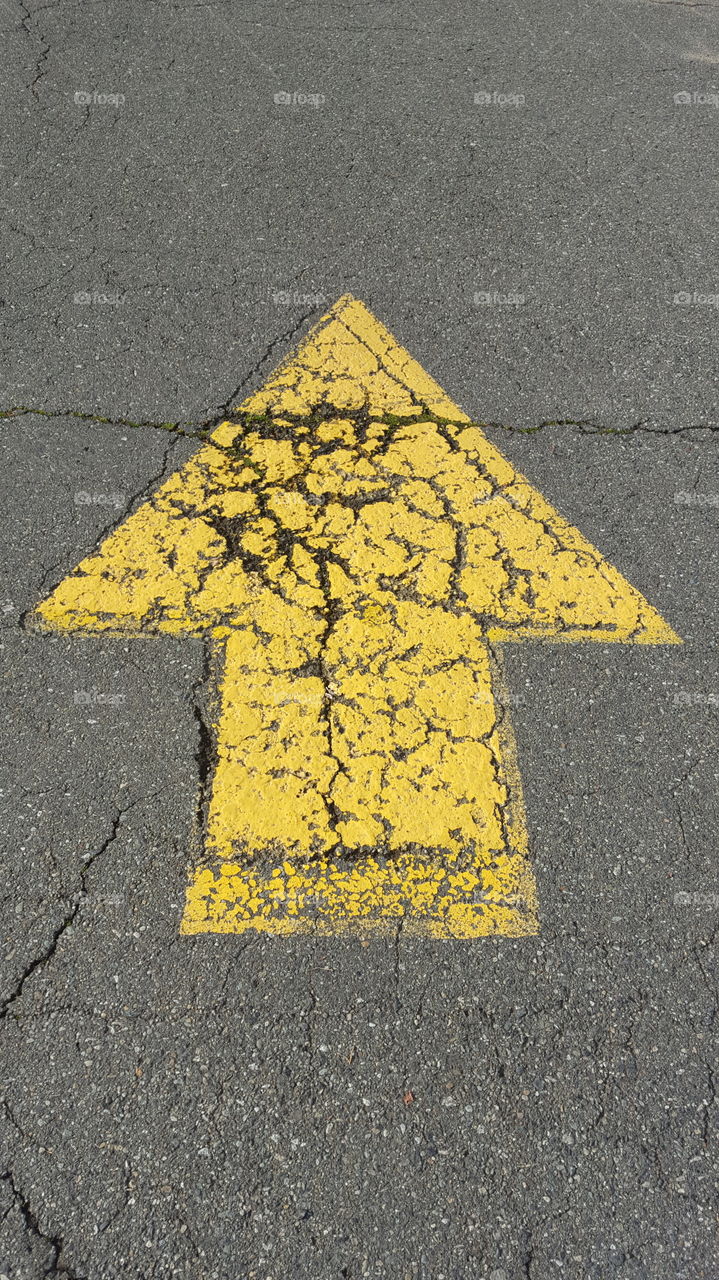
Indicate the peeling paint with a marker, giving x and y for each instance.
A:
(354, 548)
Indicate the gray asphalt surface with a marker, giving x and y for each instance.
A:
(241, 1108)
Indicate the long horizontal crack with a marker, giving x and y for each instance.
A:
(198, 431)
(202, 430)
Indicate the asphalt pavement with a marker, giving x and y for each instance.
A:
(526, 198)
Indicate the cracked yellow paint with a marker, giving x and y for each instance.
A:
(354, 547)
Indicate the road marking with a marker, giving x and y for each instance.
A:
(354, 549)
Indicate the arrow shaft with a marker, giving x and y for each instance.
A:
(380, 784)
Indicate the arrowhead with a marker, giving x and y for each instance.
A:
(350, 472)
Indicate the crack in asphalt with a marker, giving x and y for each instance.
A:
(39, 36)
(77, 899)
(287, 337)
(202, 429)
(57, 1265)
(20, 410)
(49, 951)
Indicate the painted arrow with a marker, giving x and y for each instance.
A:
(353, 549)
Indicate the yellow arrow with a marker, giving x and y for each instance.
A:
(354, 548)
